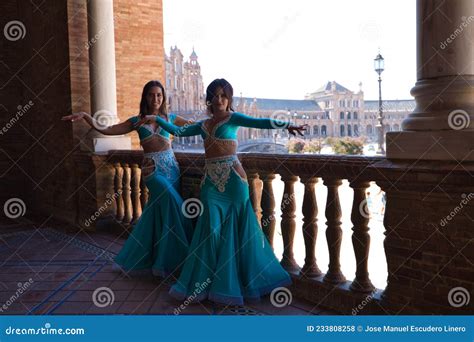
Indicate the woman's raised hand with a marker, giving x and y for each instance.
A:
(298, 129)
(74, 117)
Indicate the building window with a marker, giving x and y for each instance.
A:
(341, 115)
(369, 130)
(341, 131)
(355, 115)
(348, 115)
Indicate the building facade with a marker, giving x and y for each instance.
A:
(330, 111)
(184, 85)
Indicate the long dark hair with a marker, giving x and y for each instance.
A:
(211, 91)
(143, 104)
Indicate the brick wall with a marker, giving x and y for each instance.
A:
(49, 67)
(139, 52)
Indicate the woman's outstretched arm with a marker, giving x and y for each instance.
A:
(180, 121)
(118, 129)
(184, 131)
(243, 120)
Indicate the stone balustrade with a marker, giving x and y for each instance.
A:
(419, 195)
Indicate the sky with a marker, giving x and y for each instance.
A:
(287, 49)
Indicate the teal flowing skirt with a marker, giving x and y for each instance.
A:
(159, 241)
(230, 259)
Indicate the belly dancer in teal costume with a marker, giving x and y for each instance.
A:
(159, 241)
(230, 259)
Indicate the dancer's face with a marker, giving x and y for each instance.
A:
(220, 103)
(154, 99)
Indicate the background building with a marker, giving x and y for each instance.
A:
(332, 110)
(184, 86)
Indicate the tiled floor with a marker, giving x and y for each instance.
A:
(50, 271)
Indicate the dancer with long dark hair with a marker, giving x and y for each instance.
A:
(160, 239)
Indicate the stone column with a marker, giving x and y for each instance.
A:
(442, 124)
(101, 45)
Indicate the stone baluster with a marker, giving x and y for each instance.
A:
(254, 192)
(360, 237)
(268, 207)
(127, 194)
(144, 192)
(310, 227)
(119, 190)
(288, 224)
(333, 232)
(136, 205)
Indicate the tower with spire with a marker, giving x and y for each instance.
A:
(184, 83)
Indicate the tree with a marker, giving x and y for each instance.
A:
(314, 146)
(295, 145)
(348, 145)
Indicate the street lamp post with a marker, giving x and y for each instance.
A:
(379, 67)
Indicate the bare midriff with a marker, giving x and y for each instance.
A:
(156, 144)
(151, 145)
(217, 148)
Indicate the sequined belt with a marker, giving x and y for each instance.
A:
(218, 170)
(165, 162)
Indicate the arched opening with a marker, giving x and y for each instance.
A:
(324, 131)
